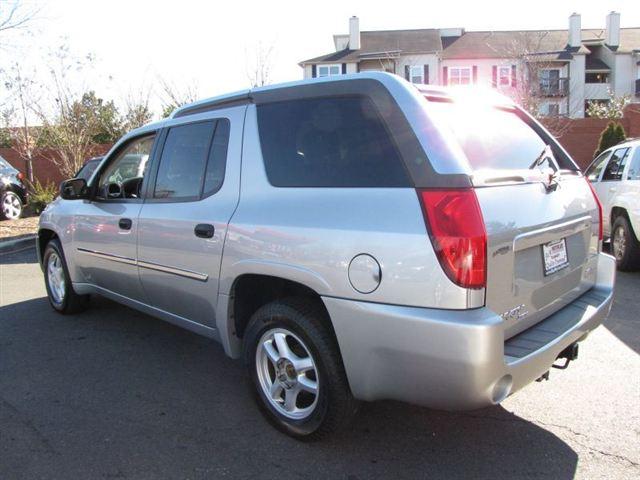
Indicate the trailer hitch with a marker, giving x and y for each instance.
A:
(568, 354)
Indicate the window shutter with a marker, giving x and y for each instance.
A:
(314, 71)
(513, 76)
(494, 76)
(344, 68)
(426, 74)
(475, 74)
(406, 73)
(445, 76)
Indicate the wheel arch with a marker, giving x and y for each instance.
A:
(45, 235)
(620, 211)
(248, 293)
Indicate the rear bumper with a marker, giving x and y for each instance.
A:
(456, 360)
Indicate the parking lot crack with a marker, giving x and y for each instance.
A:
(29, 424)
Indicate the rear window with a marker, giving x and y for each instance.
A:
(328, 142)
(496, 138)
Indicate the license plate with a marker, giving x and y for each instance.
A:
(555, 256)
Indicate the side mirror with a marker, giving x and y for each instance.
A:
(74, 189)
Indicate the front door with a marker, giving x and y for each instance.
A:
(183, 222)
(106, 228)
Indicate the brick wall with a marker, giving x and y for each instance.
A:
(580, 136)
(43, 169)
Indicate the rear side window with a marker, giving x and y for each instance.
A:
(615, 167)
(328, 142)
(495, 138)
(193, 160)
(634, 168)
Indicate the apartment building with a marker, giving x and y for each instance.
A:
(557, 72)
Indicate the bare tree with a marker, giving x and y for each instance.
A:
(17, 15)
(530, 51)
(137, 110)
(24, 95)
(69, 127)
(259, 65)
(173, 96)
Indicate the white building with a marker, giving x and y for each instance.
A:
(559, 71)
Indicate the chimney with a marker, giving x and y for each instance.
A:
(575, 32)
(354, 33)
(612, 37)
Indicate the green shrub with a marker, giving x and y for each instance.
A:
(610, 136)
(41, 195)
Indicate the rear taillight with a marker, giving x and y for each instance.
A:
(20, 176)
(458, 234)
(595, 196)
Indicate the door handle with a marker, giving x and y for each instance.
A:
(204, 230)
(612, 189)
(125, 223)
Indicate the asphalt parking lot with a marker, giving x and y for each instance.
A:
(112, 393)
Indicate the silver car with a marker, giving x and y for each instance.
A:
(351, 239)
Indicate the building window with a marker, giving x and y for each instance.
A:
(416, 74)
(553, 110)
(504, 75)
(329, 70)
(460, 76)
(596, 77)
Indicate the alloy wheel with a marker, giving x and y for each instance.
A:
(55, 277)
(619, 242)
(11, 206)
(287, 373)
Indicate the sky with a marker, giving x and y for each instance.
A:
(207, 44)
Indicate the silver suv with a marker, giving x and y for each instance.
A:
(351, 239)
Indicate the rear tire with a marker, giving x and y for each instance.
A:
(57, 280)
(624, 245)
(296, 369)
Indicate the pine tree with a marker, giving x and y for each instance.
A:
(610, 136)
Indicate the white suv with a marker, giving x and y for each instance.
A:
(615, 175)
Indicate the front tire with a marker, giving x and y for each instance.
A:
(60, 291)
(296, 369)
(10, 205)
(624, 245)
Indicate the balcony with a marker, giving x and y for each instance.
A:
(553, 87)
(638, 87)
(597, 91)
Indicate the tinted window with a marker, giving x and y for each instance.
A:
(616, 165)
(4, 165)
(495, 138)
(214, 175)
(634, 168)
(328, 142)
(183, 161)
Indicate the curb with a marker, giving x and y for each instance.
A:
(12, 246)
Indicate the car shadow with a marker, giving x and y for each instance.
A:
(117, 393)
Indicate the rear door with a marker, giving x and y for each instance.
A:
(183, 223)
(540, 215)
(611, 183)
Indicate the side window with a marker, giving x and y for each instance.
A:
(328, 142)
(193, 160)
(634, 168)
(616, 165)
(123, 176)
(593, 172)
(183, 161)
(217, 161)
